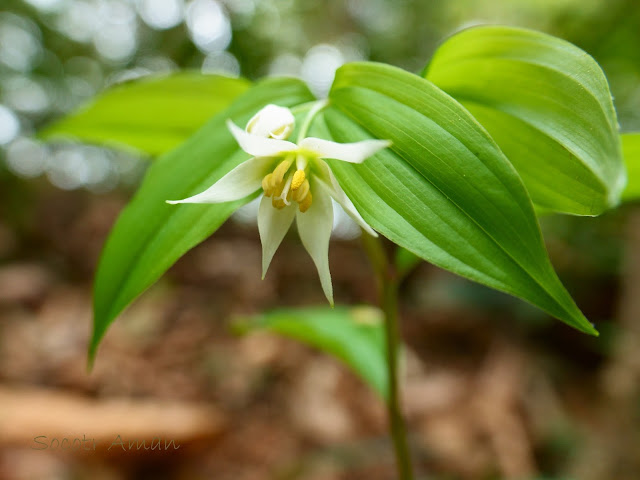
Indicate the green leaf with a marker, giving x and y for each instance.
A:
(353, 335)
(151, 235)
(631, 153)
(548, 106)
(151, 114)
(444, 190)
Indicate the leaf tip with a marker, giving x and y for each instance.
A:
(96, 337)
(585, 326)
(91, 356)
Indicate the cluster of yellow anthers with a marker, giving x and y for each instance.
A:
(284, 186)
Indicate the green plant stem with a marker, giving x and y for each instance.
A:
(315, 109)
(388, 281)
(398, 431)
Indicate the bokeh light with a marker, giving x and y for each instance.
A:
(319, 67)
(209, 25)
(27, 158)
(47, 6)
(19, 42)
(286, 64)
(161, 14)
(79, 21)
(25, 95)
(222, 63)
(9, 125)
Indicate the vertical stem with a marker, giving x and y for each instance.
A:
(317, 107)
(388, 285)
(398, 431)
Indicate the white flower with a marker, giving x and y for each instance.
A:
(272, 121)
(296, 181)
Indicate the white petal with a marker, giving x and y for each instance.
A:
(272, 121)
(260, 146)
(273, 224)
(356, 152)
(314, 227)
(243, 180)
(326, 180)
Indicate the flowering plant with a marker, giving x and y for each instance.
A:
(452, 165)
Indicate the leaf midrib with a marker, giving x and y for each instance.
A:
(514, 260)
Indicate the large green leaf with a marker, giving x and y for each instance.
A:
(631, 153)
(548, 106)
(444, 190)
(353, 335)
(151, 114)
(151, 235)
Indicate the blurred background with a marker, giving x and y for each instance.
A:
(493, 388)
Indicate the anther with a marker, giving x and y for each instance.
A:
(266, 184)
(278, 203)
(298, 179)
(306, 203)
(280, 171)
(301, 192)
(276, 191)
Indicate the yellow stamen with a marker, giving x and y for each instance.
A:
(266, 185)
(276, 191)
(278, 203)
(298, 179)
(301, 192)
(306, 203)
(279, 172)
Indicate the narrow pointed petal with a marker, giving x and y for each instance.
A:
(273, 225)
(356, 152)
(328, 182)
(272, 121)
(314, 227)
(260, 146)
(243, 180)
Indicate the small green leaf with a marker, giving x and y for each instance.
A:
(151, 114)
(548, 106)
(353, 335)
(631, 153)
(444, 190)
(151, 235)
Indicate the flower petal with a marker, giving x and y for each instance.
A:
(273, 224)
(356, 152)
(260, 146)
(272, 121)
(327, 181)
(243, 180)
(314, 227)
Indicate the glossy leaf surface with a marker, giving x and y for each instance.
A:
(151, 114)
(548, 106)
(444, 190)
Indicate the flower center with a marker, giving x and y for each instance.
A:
(286, 184)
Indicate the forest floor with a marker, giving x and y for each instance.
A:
(491, 389)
